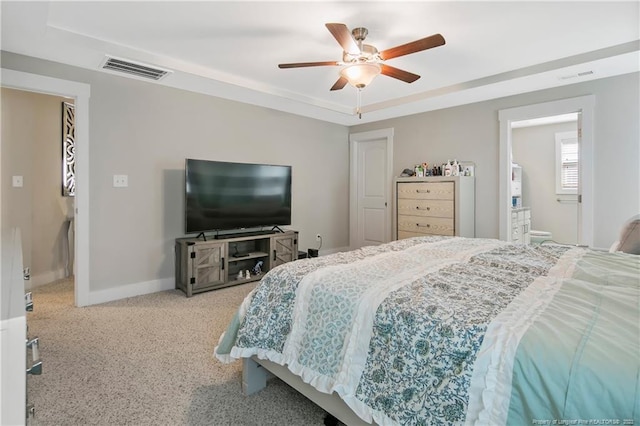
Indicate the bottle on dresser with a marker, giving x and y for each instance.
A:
(446, 170)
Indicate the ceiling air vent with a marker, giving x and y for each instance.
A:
(580, 74)
(132, 68)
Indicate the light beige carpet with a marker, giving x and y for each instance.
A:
(147, 360)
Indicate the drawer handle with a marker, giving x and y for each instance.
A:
(420, 208)
(428, 191)
(423, 226)
(36, 366)
(28, 302)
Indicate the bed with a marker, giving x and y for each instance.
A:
(450, 330)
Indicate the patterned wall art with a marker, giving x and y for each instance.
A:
(68, 150)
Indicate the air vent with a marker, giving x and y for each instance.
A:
(580, 74)
(132, 68)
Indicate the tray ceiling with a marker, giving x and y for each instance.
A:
(232, 49)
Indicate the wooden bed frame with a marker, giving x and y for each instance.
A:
(256, 372)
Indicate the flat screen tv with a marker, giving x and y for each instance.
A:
(223, 195)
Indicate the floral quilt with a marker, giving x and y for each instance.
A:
(394, 329)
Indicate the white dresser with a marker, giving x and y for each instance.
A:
(13, 332)
(436, 205)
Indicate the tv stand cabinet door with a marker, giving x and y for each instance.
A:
(206, 264)
(284, 247)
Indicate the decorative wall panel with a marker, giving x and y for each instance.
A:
(68, 150)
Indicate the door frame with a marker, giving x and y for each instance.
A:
(355, 141)
(80, 92)
(582, 104)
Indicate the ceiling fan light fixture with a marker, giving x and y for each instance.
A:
(361, 74)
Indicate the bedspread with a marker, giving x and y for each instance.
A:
(398, 330)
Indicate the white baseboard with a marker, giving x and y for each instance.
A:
(131, 290)
(45, 278)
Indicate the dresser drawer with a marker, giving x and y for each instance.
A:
(426, 225)
(431, 208)
(426, 190)
(405, 234)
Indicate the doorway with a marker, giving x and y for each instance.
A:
(584, 107)
(546, 162)
(80, 92)
(36, 202)
(371, 167)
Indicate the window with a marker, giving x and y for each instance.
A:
(567, 156)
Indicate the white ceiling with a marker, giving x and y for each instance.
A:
(232, 49)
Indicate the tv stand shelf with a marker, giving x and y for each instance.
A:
(245, 256)
(203, 265)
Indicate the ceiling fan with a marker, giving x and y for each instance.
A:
(363, 62)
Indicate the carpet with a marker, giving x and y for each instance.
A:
(147, 360)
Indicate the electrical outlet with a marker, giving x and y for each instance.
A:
(318, 237)
(120, 181)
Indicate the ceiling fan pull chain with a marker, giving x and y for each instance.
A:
(359, 103)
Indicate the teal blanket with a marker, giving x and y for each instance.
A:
(573, 354)
(580, 359)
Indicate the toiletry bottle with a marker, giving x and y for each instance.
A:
(447, 168)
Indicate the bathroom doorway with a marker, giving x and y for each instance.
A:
(546, 156)
(584, 107)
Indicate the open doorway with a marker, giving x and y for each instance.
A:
(545, 178)
(79, 92)
(584, 107)
(37, 201)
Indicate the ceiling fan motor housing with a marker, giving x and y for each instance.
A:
(360, 33)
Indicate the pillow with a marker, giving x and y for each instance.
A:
(629, 237)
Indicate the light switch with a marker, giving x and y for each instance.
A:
(17, 181)
(120, 181)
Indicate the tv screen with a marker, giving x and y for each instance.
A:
(223, 195)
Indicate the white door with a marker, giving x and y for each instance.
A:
(568, 185)
(370, 195)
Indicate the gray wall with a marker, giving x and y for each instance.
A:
(471, 132)
(534, 148)
(31, 148)
(145, 131)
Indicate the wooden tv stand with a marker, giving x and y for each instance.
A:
(203, 265)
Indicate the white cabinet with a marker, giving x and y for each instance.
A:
(13, 332)
(437, 205)
(521, 225)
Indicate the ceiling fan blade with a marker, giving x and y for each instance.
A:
(413, 47)
(394, 72)
(339, 84)
(344, 37)
(308, 64)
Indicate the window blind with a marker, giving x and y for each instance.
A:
(569, 165)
